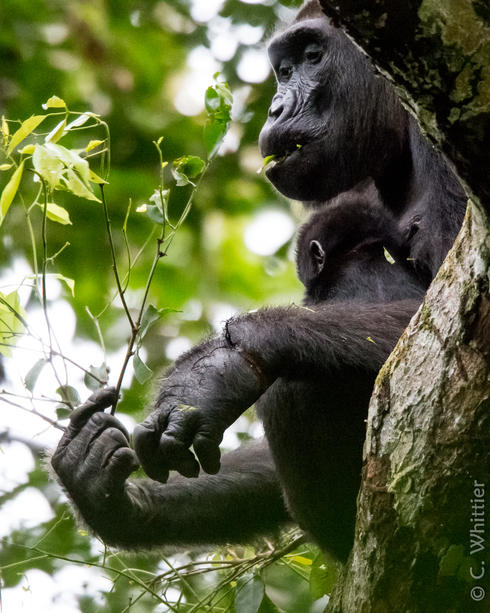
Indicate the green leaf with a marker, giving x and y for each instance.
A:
(186, 168)
(56, 133)
(32, 376)
(249, 594)
(100, 372)
(63, 412)
(214, 132)
(267, 606)
(5, 166)
(11, 321)
(5, 131)
(324, 573)
(389, 258)
(47, 165)
(76, 186)
(79, 121)
(218, 102)
(302, 560)
(9, 191)
(70, 283)
(27, 149)
(69, 395)
(150, 316)
(54, 103)
(26, 127)
(94, 178)
(93, 144)
(141, 370)
(267, 162)
(57, 213)
(153, 211)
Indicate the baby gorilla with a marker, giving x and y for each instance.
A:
(353, 250)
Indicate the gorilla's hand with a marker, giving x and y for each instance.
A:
(93, 461)
(207, 390)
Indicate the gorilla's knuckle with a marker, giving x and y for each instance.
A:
(97, 419)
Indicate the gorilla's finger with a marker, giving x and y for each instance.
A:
(177, 456)
(122, 463)
(146, 444)
(208, 453)
(98, 401)
(105, 444)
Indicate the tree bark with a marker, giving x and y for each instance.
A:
(437, 54)
(421, 536)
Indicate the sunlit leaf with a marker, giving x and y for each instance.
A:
(47, 165)
(79, 121)
(27, 150)
(12, 316)
(141, 370)
(9, 191)
(33, 375)
(302, 560)
(27, 126)
(5, 166)
(267, 162)
(54, 103)
(93, 144)
(56, 133)
(75, 185)
(57, 213)
(94, 178)
(389, 258)
(5, 131)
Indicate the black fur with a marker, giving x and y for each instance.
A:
(310, 368)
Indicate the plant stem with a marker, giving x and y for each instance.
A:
(114, 262)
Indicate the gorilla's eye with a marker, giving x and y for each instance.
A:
(313, 54)
(285, 70)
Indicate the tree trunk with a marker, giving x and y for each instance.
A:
(421, 535)
(437, 53)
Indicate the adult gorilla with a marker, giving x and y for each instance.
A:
(331, 125)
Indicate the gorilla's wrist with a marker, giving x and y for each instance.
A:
(236, 339)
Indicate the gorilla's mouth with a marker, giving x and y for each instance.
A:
(277, 159)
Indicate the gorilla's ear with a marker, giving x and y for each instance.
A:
(317, 257)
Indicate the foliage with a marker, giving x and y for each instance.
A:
(80, 218)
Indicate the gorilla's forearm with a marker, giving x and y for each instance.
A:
(241, 503)
(285, 341)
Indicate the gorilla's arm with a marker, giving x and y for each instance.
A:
(94, 461)
(217, 380)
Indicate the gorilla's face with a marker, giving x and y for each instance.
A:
(332, 122)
